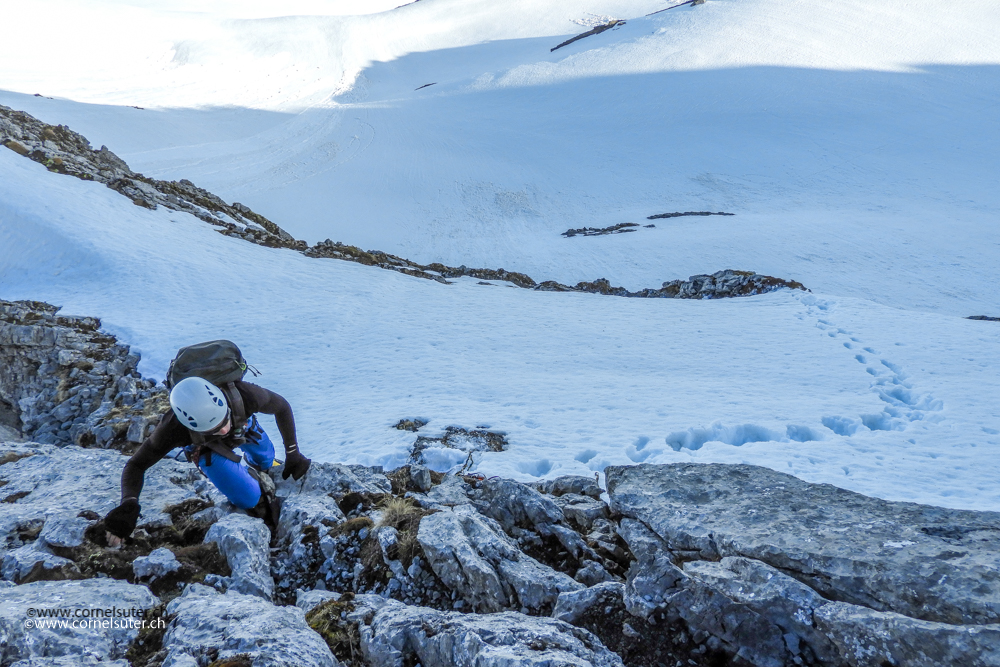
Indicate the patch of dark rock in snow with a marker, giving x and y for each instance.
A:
(64, 381)
(454, 438)
(983, 318)
(597, 30)
(684, 214)
(719, 285)
(620, 228)
(64, 151)
(781, 571)
(414, 424)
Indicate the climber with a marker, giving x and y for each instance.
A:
(209, 422)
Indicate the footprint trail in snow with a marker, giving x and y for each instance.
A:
(904, 403)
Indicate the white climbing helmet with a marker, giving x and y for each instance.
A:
(198, 404)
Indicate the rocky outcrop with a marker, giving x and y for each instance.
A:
(49, 491)
(243, 540)
(28, 636)
(209, 626)
(473, 557)
(64, 151)
(393, 635)
(64, 381)
(779, 571)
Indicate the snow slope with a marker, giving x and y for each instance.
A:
(873, 127)
(856, 144)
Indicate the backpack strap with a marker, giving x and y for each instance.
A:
(237, 410)
(201, 443)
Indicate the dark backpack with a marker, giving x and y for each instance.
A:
(218, 361)
(221, 363)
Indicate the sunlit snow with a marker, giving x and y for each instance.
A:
(856, 143)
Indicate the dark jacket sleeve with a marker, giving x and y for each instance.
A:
(169, 433)
(270, 403)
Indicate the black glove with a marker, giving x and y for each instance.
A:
(296, 465)
(120, 521)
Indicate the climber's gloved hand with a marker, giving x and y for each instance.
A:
(296, 465)
(120, 521)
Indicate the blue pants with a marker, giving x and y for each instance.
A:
(232, 478)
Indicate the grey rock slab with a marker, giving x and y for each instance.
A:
(83, 643)
(18, 563)
(300, 510)
(868, 638)
(574, 484)
(398, 635)
(244, 541)
(582, 510)
(782, 600)
(62, 481)
(336, 479)
(158, 563)
(233, 623)
(514, 504)
(925, 562)
(474, 558)
(573, 605)
(656, 590)
(66, 530)
(451, 492)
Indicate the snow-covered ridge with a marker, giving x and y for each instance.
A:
(63, 151)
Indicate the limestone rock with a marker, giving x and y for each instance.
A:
(232, 623)
(64, 381)
(96, 644)
(572, 605)
(868, 638)
(35, 560)
(475, 559)
(244, 541)
(301, 510)
(787, 547)
(336, 480)
(307, 600)
(513, 504)
(398, 635)
(451, 492)
(582, 510)
(64, 530)
(925, 562)
(58, 482)
(420, 476)
(158, 563)
(574, 484)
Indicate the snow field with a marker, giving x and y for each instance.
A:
(576, 381)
